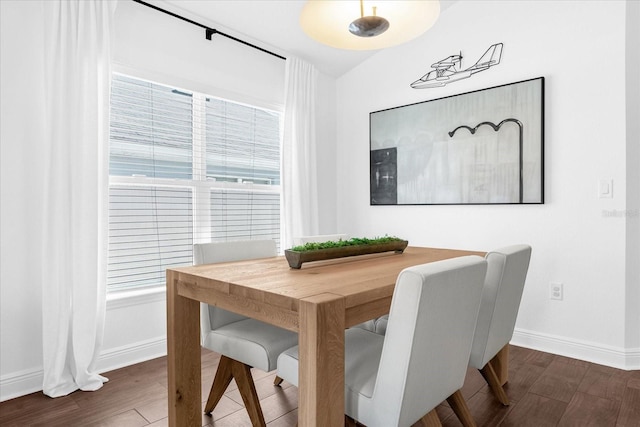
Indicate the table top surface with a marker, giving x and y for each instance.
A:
(358, 279)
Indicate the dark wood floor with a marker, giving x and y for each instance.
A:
(545, 390)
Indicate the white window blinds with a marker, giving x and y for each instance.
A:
(229, 157)
(150, 229)
(151, 130)
(185, 168)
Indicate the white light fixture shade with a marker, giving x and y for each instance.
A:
(327, 21)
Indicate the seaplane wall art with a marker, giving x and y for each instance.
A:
(449, 70)
(481, 147)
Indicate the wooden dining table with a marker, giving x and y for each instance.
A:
(318, 301)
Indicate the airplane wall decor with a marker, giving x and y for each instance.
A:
(449, 69)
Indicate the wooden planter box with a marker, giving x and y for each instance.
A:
(296, 259)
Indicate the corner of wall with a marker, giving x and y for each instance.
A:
(632, 250)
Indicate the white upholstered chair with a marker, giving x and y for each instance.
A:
(398, 378)
(241, 341)
(380, 324)
(506, 273)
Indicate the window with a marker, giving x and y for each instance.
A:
(185, 167)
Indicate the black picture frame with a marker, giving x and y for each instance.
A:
(479, 147)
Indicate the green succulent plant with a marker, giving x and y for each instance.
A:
(356, 241)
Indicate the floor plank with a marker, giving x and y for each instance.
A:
(535, 411)
(559, 381)
(590, 411)
(630, 409)
(603, 381)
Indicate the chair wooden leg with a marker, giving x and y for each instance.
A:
(229, 369)
(431, 419)
(221, 381)
(494, 383)
(460, 408)
(247, 389)
(277, 380)
(500, 364)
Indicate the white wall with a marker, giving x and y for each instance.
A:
(147, 44)
(585, 140)
(21, 136)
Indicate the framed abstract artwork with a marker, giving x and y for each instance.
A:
(480, 147)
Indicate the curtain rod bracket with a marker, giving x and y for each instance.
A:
(210, 32)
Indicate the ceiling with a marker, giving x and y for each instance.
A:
(272, 25)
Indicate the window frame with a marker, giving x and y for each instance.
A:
(200, 186)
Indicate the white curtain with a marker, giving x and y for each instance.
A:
(299, 171)
(77, 76)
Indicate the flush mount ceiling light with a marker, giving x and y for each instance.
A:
(367, 25)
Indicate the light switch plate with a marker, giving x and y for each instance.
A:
(605, 188)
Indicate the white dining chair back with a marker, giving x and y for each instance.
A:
(242, 342)
(398, 378)
(207, 253)
(503, 287)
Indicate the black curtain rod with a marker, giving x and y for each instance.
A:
(208, 31)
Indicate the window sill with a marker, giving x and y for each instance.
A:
(125, 298)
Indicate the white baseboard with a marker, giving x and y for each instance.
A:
(141, 351)
(20, 383)
(615, 357)
(26, 382)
